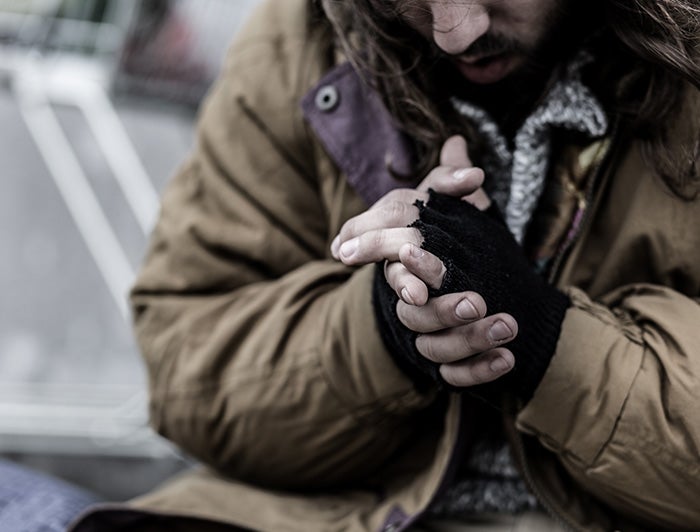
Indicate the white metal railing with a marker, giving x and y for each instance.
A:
(46, 416)
(52, 417)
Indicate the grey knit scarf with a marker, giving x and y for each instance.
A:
(515, 180)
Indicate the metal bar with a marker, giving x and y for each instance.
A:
(120, 154)
(65, 169)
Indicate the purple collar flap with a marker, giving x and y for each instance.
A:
(358, 133)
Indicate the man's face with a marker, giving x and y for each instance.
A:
(486, 40)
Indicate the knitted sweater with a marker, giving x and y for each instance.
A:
(488, 481)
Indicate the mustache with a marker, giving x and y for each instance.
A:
(494, 44)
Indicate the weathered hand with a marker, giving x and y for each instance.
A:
(413, 289)
(480, 255)
(454, 330)
(378, 233)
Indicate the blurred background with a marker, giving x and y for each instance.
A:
(97, 105)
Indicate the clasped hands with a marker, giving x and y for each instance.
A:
(454, 330)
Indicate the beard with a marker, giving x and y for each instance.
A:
(510, 100)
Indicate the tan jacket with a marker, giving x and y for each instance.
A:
(265, 362)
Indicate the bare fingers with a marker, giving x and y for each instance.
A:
(416, 271)
(396, 209)
(423, 264)
(456, 175)
(480, 369)
(443, 312)
(377, 245)
(457, 343)
(407, 286)
(457, 181)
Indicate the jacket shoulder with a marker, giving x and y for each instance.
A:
(280, 50)
(273, 62)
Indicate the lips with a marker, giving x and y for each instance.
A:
(486, 69)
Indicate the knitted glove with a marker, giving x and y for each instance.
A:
(479, 255)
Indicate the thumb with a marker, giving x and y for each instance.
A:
(454, 153)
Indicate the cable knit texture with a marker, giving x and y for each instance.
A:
(480, 255)
(515, 179)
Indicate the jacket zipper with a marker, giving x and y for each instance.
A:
(584, 206)
(558, 514)
(585, 209)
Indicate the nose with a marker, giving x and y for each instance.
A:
(458, 23)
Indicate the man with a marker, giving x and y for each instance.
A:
(511, 343)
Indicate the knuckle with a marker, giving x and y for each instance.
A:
(377, 238)
(349, 229)
(444, 311)
(396, 212)
(345, 230)
(437, 314)
(435, 174)
(466, 343)
(427, 348)
(401, 195)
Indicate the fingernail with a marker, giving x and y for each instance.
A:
(499, 365)
(406, 296)
(335, 245)
(465, 310)
(500, 331)
(416, 252)
(461, 174)
(349, 248)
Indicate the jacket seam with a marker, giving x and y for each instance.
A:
(206, 386)
(213, 388)
(618, 419)
(258, 122)
(274, 220)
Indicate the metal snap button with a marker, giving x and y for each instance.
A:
(327, 98)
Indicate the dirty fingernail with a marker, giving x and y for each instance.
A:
(416, 252)
(349, 248)
(465, 310)
(499, 365)
(500, 331)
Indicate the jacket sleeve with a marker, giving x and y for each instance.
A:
(262, 352)
(619, 402)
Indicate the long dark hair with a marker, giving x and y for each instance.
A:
(654, 64)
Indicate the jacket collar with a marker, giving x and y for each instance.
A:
(358, 133)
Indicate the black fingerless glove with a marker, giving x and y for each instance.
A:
(480, 255)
